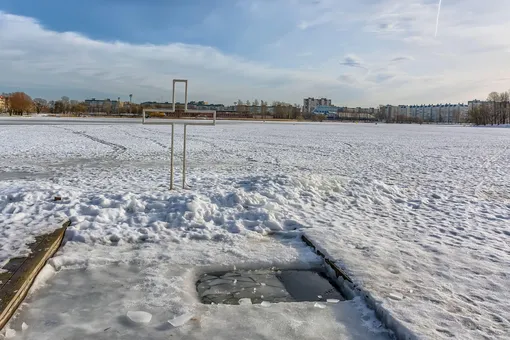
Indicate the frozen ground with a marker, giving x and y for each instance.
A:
(418, 215)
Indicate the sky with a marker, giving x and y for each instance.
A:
(355, 52)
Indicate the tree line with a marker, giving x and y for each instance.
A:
(277, 110)
(494, 111)
(18, 103)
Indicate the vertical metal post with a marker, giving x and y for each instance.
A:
(172, 160)
(184, 159)
(173, 96)
(185, 96)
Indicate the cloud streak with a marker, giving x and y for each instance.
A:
(437, 20)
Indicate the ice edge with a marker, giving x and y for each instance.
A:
(350, 290)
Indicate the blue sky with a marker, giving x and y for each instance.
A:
(356, 52)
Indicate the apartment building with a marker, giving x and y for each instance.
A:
(309, 104)
(390, 112)
(439, 113)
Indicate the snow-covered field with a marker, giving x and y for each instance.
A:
(417, 215)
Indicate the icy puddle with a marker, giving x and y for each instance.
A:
(161, 301)
(259, 286)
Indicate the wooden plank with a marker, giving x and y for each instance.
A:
(10, 268)
(21, 272)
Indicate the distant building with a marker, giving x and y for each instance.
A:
(389, 112)
(329, 111)
(438, 113)
(159, 105)
(205, 106)
(475, 103)
(3, 104)
(309, 104)
(102, 105)
(404, 110)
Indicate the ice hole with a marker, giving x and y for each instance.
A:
(270, 285)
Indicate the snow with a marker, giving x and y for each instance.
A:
(419, 216)
(45, 275)
(10, 333)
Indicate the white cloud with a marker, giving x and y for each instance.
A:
(38, 56)
(388, 44)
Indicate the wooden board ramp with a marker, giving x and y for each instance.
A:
(22, 271)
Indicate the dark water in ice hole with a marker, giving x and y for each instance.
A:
(266, 285)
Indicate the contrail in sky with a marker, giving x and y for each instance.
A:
(437, 20)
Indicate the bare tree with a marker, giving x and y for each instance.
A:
(505, 107)
(20, 102)
(240, 107)
(107, 107)
(79, 107)
(263, 109)
(65, 103)
(296, 111)
(59, 107)
(493, 97)
(40, 105)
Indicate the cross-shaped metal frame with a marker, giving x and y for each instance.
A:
(173, 123)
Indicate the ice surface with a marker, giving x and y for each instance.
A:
(396, 296)
(265, 304)
(88, 303)
(139, 316)
(422, 211)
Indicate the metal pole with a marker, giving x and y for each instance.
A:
(186, 96)
(172, 160)
(173, 96)
(184, 160)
